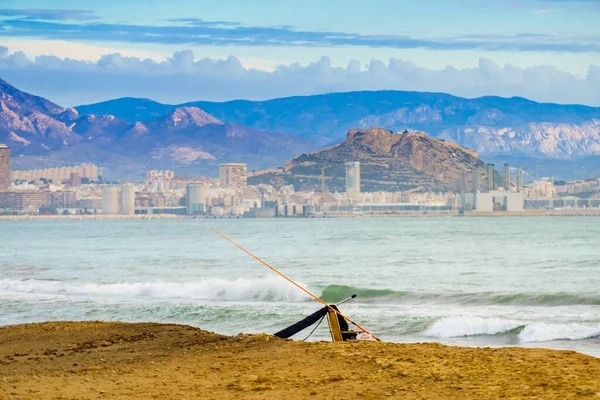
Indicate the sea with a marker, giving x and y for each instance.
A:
(482, 282)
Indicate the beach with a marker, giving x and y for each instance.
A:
(89, 360)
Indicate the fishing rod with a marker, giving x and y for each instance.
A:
(297, 285)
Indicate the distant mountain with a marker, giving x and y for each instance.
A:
(388, 162)
(495, 127)
(185, 139)
(128, 108)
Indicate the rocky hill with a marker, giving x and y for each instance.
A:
(388, 161)
(185, 139)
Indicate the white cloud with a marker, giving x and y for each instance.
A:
(80, 51)
(182, 77)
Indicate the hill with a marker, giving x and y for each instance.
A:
(388, 162)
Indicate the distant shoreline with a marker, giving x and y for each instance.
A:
(496, 214)
(84, 217)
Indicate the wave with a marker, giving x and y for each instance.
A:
(335, 293)
(258, 289)
(525, 332)
(471, 326)
(543, 332)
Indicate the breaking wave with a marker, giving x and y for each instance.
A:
(259, 289)
(543, 332)
(471, 326)
(525, 332)
(335, 293)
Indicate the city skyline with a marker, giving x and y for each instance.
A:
(163, 192)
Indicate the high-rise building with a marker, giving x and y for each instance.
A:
(519, 179)
(110, 200)
(127, 199)
(233, 176)
(506, 177)
(4, 167)
(353, 179)
(476, 180)
(491, 177)
(195, 198)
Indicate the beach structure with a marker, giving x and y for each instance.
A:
(338, 326)
(338, 322)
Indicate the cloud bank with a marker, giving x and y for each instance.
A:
(183, 77)
(52, 25)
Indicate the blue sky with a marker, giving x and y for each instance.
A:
(192, 50)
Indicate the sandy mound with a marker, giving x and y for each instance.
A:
(86, 360)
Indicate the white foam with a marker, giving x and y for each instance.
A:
(470, 326)
(259, 289)
(543, 332)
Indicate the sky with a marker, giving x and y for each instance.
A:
(80, 52)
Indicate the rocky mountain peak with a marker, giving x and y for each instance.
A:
(378, 140)
(69, 115)
(183, 117)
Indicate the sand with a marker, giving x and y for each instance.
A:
(99, 360)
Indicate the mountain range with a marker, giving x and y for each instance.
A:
(546, 139)
(186, 139)
(192, 138)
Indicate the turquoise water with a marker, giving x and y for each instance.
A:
(467, 281)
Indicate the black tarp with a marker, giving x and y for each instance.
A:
(305, 323)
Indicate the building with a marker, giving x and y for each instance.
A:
(491, 177)
(506, 177)
(88, 171)
(8, 200)
(159, 174)
(28, 201)
(353, 179)
(62, 199)
(233, 176)
(90, 203)
(519, 179)
(195, 198)
(31, 201)
(476, 179)
(127, 199)
(4, 167)
(110, 200)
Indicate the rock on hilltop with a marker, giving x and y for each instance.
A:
(388, 161)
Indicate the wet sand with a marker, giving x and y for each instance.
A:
(99, 360)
